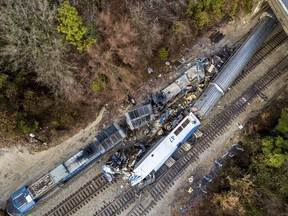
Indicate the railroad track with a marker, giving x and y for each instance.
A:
(82, 196)
(154, 193)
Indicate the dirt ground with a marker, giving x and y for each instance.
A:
(19, 167)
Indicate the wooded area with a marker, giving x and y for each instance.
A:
(254, 182)
(62, 60)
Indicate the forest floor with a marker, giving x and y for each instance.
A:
(20, 166)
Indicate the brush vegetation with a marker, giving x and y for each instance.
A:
(62, 60)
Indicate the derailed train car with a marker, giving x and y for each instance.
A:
(235, 65)
(191, 76)
(27, 197)
(164, 148)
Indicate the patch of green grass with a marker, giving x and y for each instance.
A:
(100, 82)
(163, 54)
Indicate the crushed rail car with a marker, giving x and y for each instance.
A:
(163, 149)
(191, 76)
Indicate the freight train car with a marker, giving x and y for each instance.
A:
(27, 197)
(235, 65)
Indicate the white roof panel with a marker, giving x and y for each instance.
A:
(156, 158)
(165, 147)
(182, 81)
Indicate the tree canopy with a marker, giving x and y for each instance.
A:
(71, 24)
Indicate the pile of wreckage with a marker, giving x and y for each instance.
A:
(189, 86)
(193, 79)
(119, 164)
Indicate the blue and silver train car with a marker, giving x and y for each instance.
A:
(27, 197)
(164, 148)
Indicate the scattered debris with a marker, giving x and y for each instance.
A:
(150, 179)
(198, 134)
(149, 70)
(117, 159)
(189, 98)
(109, 172)
(217, 163)
(234, 146)
(208, 178)
(169, 126)
(128, 102)
(112, 167)
(216, 37)
(147, 131)
(165, 115)
(190, 190)
(142, 149)
(240, 126)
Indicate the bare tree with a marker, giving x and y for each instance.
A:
(30, 41)
(148, 27)
(120, 39)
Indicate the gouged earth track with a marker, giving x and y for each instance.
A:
(211, 131)
(95, 186)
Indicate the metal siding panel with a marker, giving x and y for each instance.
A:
(144, 114)
(240, 59)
